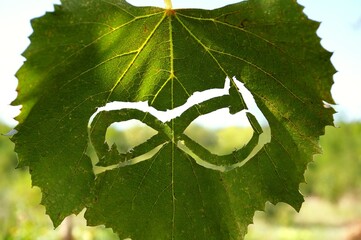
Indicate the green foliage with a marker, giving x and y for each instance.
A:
(21, 216)
(90, 52)
(127, 138)
(337, 171)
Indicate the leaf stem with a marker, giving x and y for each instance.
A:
(168, 4)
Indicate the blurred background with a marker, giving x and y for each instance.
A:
(332, 208)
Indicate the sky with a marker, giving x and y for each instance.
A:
(340, 32)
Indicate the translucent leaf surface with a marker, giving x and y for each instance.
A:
(90, 53)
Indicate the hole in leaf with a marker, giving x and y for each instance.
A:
(128, 134)
(221, 140)
(248, 123)
(141, 158)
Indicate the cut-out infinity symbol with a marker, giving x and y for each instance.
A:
(172, 131)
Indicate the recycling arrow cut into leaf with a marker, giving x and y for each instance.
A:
(88, 53)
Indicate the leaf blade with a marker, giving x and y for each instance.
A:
(116, 52)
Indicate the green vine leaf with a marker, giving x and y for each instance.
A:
(90, 53)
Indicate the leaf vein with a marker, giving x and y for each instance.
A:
(260, 69)
(119, 8)
(98, 65)
(135, 57)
